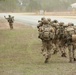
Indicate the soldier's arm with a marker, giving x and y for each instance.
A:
(5, 17)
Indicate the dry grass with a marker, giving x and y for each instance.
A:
(20, 54)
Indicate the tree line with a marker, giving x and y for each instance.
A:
(35, 5)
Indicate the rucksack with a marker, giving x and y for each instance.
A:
(68, 33)
(46, 33)
(70, 30)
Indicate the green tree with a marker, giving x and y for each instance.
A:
(33, 6)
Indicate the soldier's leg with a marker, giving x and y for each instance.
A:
(71, 53)
(74, 53)
(54, 44)
(70, 56)
(47, 57)
(43, 47)
(49, 46)
(11, 26)
(63, 51)
(59, 47)
(44, 50)
(54, 48)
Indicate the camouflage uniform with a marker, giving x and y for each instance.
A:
(46, 44)
(61, 39)
(10, 20)
(46, 49)
(70, 31)
(55, 42)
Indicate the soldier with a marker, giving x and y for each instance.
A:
(46, 35)
(10, 20)
(61, 38)
(55, 25)
(70, 43)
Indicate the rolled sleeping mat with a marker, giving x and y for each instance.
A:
(74, 37)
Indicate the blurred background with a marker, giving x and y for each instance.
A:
(38, 6)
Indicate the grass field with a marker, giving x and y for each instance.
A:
(20, 54)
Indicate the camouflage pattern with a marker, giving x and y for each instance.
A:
(60, 44)
(46, 42)
(46, 50)
(63, 35)
(41, 22)
(49, 21)
(10, 20)
(69, 32)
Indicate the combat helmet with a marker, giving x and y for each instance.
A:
(45, 21)
(61, 23)
(9, 15)
(48, 19)
(55, 21)
(70, 24)
(42, 18)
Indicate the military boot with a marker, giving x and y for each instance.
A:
(46, 60)
(63, 55)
